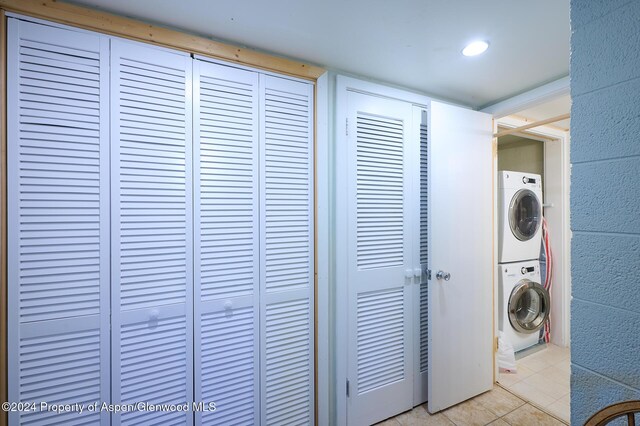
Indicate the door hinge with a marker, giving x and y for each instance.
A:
(347, 127)
(348, 389)
(496, 344)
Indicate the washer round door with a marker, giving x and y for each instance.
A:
(528, 306)
(525, 214)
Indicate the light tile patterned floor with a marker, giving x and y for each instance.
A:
(542, 379)
(497, 407)
(542, 382)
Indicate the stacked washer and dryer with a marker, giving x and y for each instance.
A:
(523, 301)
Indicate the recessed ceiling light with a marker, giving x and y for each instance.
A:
(475, 48)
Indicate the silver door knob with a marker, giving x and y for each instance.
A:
(441, 275)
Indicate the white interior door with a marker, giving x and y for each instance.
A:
(151, 231)
(227, 350)
(58, 221)
(460, 363)
(286, 247)
(380, 258)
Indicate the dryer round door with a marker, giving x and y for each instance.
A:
(525, 214)
(528, 306)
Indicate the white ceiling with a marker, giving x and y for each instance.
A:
(411, 43)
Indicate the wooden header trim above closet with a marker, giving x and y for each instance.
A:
(129, 28)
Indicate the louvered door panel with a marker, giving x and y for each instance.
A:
(424, 335)
(421, 183)
(61, 365)
(226, 243)
(227, 359)
(58, 220)
(380, 258)
(155, 365)
(152, 270)
(424, 240)
(288, 360)
(286, 238)
(380, 180)
(380, 316)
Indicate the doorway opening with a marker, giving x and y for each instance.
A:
(533, 282)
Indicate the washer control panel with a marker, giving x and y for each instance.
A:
(518, 180)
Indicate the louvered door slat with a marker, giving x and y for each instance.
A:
(226, 243)
(151, 181)
(58, 220)
(286, 192)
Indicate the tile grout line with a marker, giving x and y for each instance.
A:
(443, 412)
(524, 402)
(498, 417)
(506, 414)
(533, 404)
(447, 417)
(522, 396)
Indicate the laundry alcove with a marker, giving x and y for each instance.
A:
(160, 231)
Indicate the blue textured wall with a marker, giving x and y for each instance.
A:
(605, 204)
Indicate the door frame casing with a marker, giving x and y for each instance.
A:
(322, 270)
(343, 86)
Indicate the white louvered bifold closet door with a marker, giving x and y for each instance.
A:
(286, 240)
(151, 220)
(226, 243)
(254, 246)
(380, 258)
(58, 221)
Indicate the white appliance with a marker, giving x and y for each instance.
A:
(520, 201)
(523, 303)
